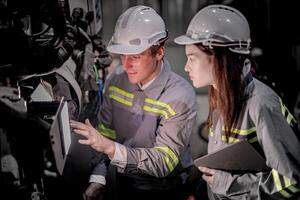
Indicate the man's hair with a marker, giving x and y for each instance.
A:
(154, 49)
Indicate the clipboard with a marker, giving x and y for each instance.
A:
(239, 156)
(60, 135)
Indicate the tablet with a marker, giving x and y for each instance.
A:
(239, 156)
(60, 135)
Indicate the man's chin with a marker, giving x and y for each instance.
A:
(133, 81)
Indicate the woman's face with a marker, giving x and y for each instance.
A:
(199, 66)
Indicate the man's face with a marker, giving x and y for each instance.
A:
(143, 67)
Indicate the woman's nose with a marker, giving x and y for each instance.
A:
(186, 67)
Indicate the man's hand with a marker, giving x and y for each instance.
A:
(94, 192)
(93, 138)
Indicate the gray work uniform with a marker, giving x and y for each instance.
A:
(152, 127)
(267, 124)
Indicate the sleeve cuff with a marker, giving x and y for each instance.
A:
(97, 179)
(220, 181)
(120, 157)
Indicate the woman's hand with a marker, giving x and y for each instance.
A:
(93, 138)
(208, 174)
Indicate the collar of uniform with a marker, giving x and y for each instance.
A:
(143, 87)
(155, 89)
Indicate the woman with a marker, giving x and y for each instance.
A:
(217, 45)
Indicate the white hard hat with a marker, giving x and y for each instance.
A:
(218, 25)
(136, 30)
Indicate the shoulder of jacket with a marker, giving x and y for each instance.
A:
(178, 92)
(263, 99)
(180, 85)
(263, 94)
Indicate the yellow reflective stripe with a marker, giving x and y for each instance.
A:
(169, 164)
(155, 110)
(210, 132)
(230, 139)
(276, 180)
(285, 194)
(278, 184)
(162, 104)
(287, 181)
(253, 140)
(120, 91)
(170, 153)
(120, 100)
(289, 118)
(110, 133)
(288, 185)
(293, 189)
(241, 132)
(284, 109)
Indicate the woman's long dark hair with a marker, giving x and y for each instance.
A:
(229, 95)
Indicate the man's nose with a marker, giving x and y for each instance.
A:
(126, 61)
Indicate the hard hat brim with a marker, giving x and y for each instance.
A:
(126, 49)
(185, 40)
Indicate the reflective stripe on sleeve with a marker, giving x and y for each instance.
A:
(288, 184)
(109, 133)
(278, 185)
(162, 104)
(155, 110)
(167, 151)
(253, 140)
(285, 112)
(159, 107)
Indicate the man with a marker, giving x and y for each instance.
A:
(148, 110)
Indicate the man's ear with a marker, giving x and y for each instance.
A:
(160, 53)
